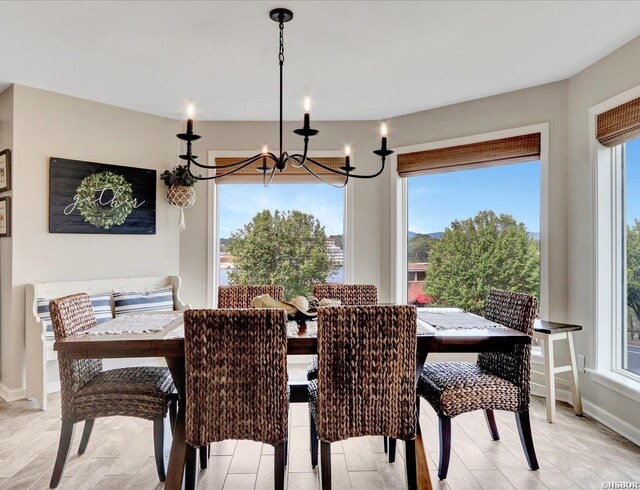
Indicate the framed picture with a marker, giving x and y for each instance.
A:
(88, 197)
(5, 170)
(5, 217)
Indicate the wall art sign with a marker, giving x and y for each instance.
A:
(87, 197)
(5, 216)
(5, 170)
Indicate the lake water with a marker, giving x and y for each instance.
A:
(337, 277)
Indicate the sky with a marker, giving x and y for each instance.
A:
(435, 200)
(633, 181)
(240, 202)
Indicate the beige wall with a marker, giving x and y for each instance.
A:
(47, 125)
(6, 332)
(607, 78)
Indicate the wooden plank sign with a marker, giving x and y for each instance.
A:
(87, 197)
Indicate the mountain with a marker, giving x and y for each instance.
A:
(437, 235)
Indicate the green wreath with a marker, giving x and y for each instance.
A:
(100, 209)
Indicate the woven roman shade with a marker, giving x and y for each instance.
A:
(619, 124)
(522, 148)
(291, 175)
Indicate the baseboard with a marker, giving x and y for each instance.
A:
(606, 418)
(612, 421)
(11, 395)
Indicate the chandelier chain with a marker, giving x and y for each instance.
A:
(281, 52)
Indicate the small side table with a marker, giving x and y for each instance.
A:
(548, 333)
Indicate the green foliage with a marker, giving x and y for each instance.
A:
(178, 176)
(479, 254)
(104, 199)
(338, 240)
(418, 248)
(287, 248)
(633, 267)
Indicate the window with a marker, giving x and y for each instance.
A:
(472, 230)
(289, 234)
(627, 335)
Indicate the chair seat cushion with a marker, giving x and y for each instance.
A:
(141, 392)
(312, 388)
(453, 388)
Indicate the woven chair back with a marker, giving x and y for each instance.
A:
(236, 375)
(517, 311)
(241, 296)
(71, 315)
(348, 294)
(366, 372)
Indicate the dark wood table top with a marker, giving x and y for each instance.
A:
(170, 341)
(544, 326)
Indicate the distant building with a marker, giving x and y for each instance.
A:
(416, 272)
(226, 260)
(336, 254)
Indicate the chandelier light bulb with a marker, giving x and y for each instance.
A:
(307, 104)
(347, 150)
(265, 149)
(190, 111)
(384, 130)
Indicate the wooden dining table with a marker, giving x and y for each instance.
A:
(169, 343)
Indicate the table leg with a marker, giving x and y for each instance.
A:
(178, 447)
(422, 468)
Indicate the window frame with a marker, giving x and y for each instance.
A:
(399, 206)
(607, 257)
(213, 232)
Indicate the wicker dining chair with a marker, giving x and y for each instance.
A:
(236, 296)
(366, 379)
(88, 392)
(236, 381)
(498, 381)
(349, 295)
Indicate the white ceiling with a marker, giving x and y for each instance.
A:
(358, 60)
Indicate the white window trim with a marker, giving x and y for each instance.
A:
(399, 213)
(606, 288)
(213, 232)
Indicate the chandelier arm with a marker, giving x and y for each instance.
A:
(264, 177)
(303, 159)
(244, 163)
(345, 174)
(332, 184)
(281, 62)
(248, 162)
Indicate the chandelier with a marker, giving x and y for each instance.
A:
(270, 162)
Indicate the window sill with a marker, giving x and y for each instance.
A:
(617, 382)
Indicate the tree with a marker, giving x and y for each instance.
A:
(287, 248)
(478, 254)
(633, 268)
(418, 247)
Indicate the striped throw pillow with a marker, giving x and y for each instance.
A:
(141, 301)
(100, 303)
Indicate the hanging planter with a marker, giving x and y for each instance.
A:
(181, 192)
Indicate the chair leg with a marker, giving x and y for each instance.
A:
(86, 433)
(286, 452)
(278, 465)
(445, 445)
(385, 441)
(313, 436)
(158, 446)
(191, 472)
(550, 378)
(173, 414)
(325, 465)
(524, 429)
(410, 464)
(576, 397)
(392, 450)
(204, 457)
(66, 436)
(491, 422)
